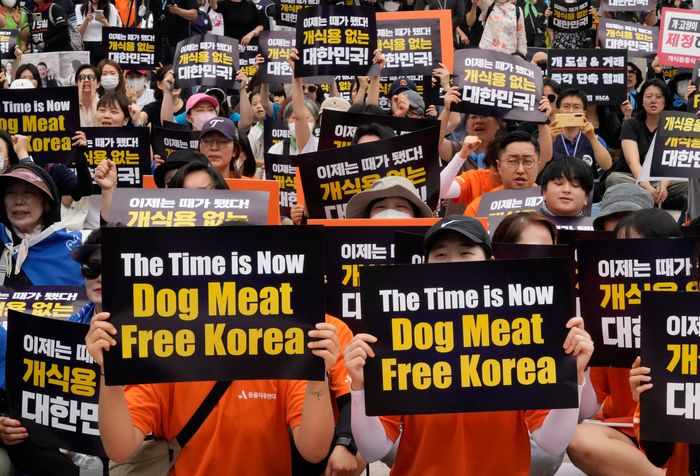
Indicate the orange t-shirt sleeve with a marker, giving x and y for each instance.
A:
(295, 393)
(339, 377)
(466, 193)
(473, 207)
(392, 426)
(535, 418)
(599, 380)
(147, 404)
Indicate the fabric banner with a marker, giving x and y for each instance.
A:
(146, 208)
(600, 74)
(676, 151)
(335, 40)
(287, 11)
(206, 60)
(166, 141)
(127, 147)
(468, 337)
(670, 332)
(236, 309)
(53, 383)
(8, 41)
(679, 37)
(282, 168)
(352, 244)
(640, 41)
(338, 128)
(132, 48)
(571, 17)
(498, 84)
(57, 302)
(48, 116)
(612, 276)
(330, 178)
(627, 5)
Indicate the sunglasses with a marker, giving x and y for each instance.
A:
(310, 88)
(86, 77)
(91, 270)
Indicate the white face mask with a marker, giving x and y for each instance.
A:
(202, 118)
(293, 128)
(390, 213)
(109, 83)
(137, 84)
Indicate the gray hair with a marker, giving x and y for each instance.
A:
(310, 105)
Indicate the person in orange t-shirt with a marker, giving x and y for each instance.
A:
(482, 443)
(247, 431)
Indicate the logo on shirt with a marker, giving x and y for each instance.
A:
(256, 396)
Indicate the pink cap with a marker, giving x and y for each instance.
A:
(201, 97)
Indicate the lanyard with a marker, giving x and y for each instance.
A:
(566, 146)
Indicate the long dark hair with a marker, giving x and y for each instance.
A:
(34, 70)
(649, 223)
(178, 180)
(104, 5)
(12, 158)
(249, 165)
(665, 90)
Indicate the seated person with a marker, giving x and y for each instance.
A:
(390, 197)
(566, 184)
(619, 201)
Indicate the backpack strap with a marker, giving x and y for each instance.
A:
(201, 414)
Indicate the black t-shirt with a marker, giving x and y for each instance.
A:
(239, 17)
(51, 29)
(635, 129)
(172, 26)
(152, 110)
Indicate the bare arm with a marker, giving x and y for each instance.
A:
(246, 110)
(373, 92)
(303, 134)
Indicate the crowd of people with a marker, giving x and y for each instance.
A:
(321, 427)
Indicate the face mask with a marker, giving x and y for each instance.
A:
(391, 6)
(312, 126)
(682, 87)
(390, 213)
(9, 3)
(137, 84)
(202, 118)
(109, 83)
(292, 128)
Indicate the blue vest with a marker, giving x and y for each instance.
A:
(580, 147)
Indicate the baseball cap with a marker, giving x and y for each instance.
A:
(623, 197)
(142, 72)
(201, 97)
(469, 227)
(335, 104)
(222, 125)
(402, 84)
(176, 160)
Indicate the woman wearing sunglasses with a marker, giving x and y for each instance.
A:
(89, 257)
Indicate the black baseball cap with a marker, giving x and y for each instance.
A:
(469, 227)
(176, 160)
(402, 84)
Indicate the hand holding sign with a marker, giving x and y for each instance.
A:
(356, 354)
(640, 380)
(100, 338)
(11, 431)
(578, 343)
(327, 346)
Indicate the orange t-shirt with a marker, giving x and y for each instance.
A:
(484, 443)
(245, 434)
(473, 183)
(612, 388)
(473, 207)
(339, 377)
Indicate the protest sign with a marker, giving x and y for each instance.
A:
(694, 99)
(338, 128)
(48, 116)
(282, 168)
(498, 84)
(460, 337)
(53, 383)
(236, 309)
(518, 251)
(127, 147)
(385, 83)
(612, 276)
(676, 148)
(132, 48)
(206, 60)
(8, 42)
(408, 248)
(274, 132)
(166, 141)
(275, 46)
(335, 39)
(287, 11)
(55, 69)
(246, 58)
(507, 202)
(190, 207)
(639, 40)
(670, 330)
(352, 244)
(679, 37)
(627, 5)
(569, 237)
(575, 223)
(344, 85)
(330, 179)
(58, 302)
(570, 17)
(600, 74)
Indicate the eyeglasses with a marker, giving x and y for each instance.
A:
(631, 71)
(86, 77)
(551, 97)
(220, 142)
(310, 88)
(91, 269)
(515, 163)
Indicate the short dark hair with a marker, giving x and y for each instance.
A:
(82, 68)
(512, 226)
(114, 98)
(649, 223)
(368, 109)
(567, 93)
(571, 168)
(552, 84)
(373, 129)
(31, 68)
(178, 180)
(500, 143)
(665, 90)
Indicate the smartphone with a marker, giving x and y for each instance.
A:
(99, 14)
(575, 119)
(36, 16)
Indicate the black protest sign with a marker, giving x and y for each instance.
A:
(57, 302)
(570, 17)
(385, 83)
(127, 147)
(287, 11)
(498, 84)
(408, 248)
(600, 74)
(246, 58)
(282, 168)
(584, 223)
(234, 309)
(206, 60)
(344, 85)
(410, 46)
(52, 383)
(48, 116)
(670, 332)
(627, 5)
(335, 40)
(352, 244)
(338, 128)
(330, 178)
(569, 236)
(518, 251)
(166, 141)
(461, 337)
(679, 44)
(639, 40)
(507, 202)
(146, 208)
(612, 276)
(132, 48)
(8, 42)
(275, 47)
(274, 132)
(677, 146)
(694, 99)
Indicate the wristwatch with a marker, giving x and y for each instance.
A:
(347, 442)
